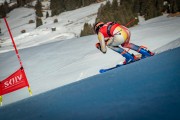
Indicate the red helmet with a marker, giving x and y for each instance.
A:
(97, 26)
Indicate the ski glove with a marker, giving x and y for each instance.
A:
(98, 46)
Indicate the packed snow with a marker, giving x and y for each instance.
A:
(56, 58)
(145, 90)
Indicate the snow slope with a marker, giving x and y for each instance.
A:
(51, 60)
(144, 90)
(69, 26)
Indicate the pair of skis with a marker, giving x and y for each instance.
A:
(107, 69)
(139, 56)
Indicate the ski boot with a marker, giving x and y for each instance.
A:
(129, 58)
(145, 53)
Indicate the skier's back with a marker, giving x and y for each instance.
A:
(113, 35)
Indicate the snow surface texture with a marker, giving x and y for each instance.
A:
(62, 61)
(144, 90)
(69, 26)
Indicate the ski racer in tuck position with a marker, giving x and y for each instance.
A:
(113, 35)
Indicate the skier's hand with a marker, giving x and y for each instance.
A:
(98, 46)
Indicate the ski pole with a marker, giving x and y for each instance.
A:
(131, 21)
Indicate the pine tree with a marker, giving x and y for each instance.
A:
(88, 2)
(72, 4)
(122, 2)
(6, 7)
(52, 4)
(136, 6)
(2, 11)
(114, 5)
(150, 10)
(53, 7)
(143, 7)
(178, 5)
(159, 7)
(173, 6)
(57, 6)
(87, 30)
(124, 14)
(38, 8)
(47, 14)
(21, 2)
(39, 14)
(38, 22)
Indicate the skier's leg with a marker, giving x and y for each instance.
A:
(139, 49)
(128, 57)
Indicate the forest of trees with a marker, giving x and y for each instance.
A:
(58, 6)
(5, 8)
(23, 2)
(121, 11)
(88, 30)
(126, 10)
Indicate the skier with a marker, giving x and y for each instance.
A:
(113, 35)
